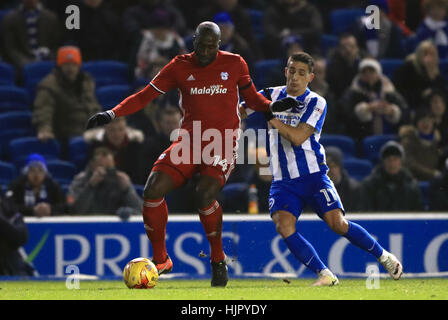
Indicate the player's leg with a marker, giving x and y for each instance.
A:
(359, 237)
(155, 216)
(210, 214)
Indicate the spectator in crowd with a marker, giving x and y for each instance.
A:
(434, 27)
(435, 101)
(35, 192)
(140, 17)
(102, 189)
(421, 146)
(125, 142)
(419, 72)
(342, 65)
(30, 33)
(101, 36)
(438, 189)
(240, 18)
(385, 42)
(65, 99)
(13, 235)
(347, 187)
(372, 105)
(333, 123)
(284, 18)
(231, 40)
(160, 43)
(390, 187)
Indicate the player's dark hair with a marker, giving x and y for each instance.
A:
(304, 58)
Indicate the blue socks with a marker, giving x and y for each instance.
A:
(358, 236)
(304, 252)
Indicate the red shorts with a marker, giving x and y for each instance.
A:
(180, 170)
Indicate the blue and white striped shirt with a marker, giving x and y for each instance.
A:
(286, 160)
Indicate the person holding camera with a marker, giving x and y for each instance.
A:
(102, 189)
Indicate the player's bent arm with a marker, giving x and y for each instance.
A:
(255, 100)
(136, 101)
(296, 135)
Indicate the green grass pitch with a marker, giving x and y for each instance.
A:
(237, 289)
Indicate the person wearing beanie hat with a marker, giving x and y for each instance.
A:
(35, 192)
(64, 99)
(372, 105)
(390, 187)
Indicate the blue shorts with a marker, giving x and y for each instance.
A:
(315, 190)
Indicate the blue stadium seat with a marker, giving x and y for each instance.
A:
(188, 40)
(13, 98)
(139, 189)
(14, 124)
(78, 152)
(109, 96)
(256, 21)
(424, 189)
(34, 72)
(345, 143)
(8, 172)
(107, 72)
(7, 74)
(262, 69)
(358, 168)
(341, 20)
(62, 171)
(328, 42)
(20, 148)
(390, 65)
(371, 146)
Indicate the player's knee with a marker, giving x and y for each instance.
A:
(155, 188)
(204, 197)
(284, 227)
(339, 226)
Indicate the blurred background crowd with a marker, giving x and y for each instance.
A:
(385, 133)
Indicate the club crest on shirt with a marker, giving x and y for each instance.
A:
(224, 75)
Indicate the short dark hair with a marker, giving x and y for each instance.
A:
(303, 57)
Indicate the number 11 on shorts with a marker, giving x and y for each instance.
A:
(330, 196)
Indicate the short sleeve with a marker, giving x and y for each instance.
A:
(315, 113)
(165, 80)
(244, 79)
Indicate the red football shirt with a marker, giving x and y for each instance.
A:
(209, 94)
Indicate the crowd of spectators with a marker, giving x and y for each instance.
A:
(363, 99)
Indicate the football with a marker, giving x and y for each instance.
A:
(140, 273)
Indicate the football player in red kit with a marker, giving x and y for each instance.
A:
(209, 82)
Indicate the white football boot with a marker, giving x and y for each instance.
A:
(391, 264)
(326, 279)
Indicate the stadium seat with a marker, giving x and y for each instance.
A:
(77, 152)
(20, 148)
(443, 65)
(107, 72)
(256, 21)
(328, 42)
(262, 69)
(358, 168)
(345, 143)
(371, 146)
(8, 172)
(139, 189)
(14, 124)
(34, 72)
(13, 98)
(7, 74)
(390, 65)
(424, 189)
(62, 171)
(109, 96)
(341, 20)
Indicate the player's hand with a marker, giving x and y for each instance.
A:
(100, 119)
(284, 104)
(268, 115)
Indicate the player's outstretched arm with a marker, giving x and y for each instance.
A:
(100, 119)
(296, 135)
(258, 102)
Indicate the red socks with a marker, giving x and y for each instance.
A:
(211, 219)
(155, 218)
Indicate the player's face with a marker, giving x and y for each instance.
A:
(206, 47)
(298, 76)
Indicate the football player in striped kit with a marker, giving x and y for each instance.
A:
(299, 174)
